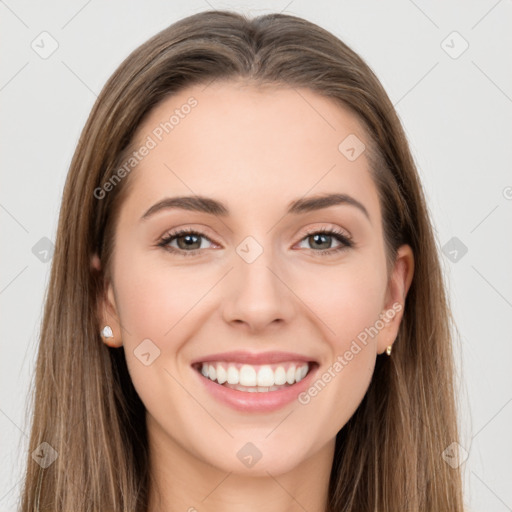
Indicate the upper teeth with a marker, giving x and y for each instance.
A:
(255, 375)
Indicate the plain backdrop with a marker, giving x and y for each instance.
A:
(446, 67)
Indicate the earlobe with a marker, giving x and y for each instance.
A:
(110, 325)
(398, 287)
(109, 330)
(109, 338)
(95, 262)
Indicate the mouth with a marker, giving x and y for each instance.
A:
(255, 378)
(253, 382)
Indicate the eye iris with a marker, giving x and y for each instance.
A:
(189, 241)
(316, 238)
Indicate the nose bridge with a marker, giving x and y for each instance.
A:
(257, 295)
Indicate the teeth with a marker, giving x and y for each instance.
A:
(222, 375)
(300, 373)
(258, 389)
(265, 376)
(280, 376)
(255, 378)
(233, 375)
(247, 376)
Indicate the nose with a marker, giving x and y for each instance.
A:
(258, 296)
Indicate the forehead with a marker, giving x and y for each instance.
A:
(255, 148)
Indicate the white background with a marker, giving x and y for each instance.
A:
(457, 114)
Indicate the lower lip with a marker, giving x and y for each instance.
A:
(257, 402)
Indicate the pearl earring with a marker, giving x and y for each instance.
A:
(388, 350)
(107, 332)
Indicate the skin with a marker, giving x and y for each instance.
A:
(256, 150)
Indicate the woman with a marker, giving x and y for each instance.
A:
(199, 350)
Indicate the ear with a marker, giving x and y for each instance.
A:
(398, 286)
(107, 310)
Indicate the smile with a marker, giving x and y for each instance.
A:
(254, 378)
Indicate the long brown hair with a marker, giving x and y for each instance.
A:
(388, 457)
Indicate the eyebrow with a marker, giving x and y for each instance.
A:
(213, 207)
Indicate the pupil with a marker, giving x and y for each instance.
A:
(318, 236)
(188, 240)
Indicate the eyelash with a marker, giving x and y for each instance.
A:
(338, 235)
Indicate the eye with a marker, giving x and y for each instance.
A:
(188, 242)
(322, 238)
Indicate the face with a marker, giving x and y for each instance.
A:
(262, 284)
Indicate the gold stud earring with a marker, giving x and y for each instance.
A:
(388, 350)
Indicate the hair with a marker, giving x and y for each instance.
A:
(388, 456)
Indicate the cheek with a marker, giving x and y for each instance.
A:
(166, 304)
(153, 299)
(347, 299)
(160, 303)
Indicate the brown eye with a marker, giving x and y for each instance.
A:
(187, 242)
(190, 241)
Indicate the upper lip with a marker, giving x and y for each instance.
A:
(254, 358)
